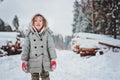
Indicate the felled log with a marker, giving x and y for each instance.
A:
(12, 50)
(76, 49)
(109, 45)
(88, 51)
(85, 51)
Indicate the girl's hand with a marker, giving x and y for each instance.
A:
(24, 66)
(53, 64)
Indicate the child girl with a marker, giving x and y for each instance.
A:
(38, 53)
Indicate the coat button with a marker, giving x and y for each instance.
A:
(41, 46)
(42, 53)
(40, 35)
(35, 47)
(34, 39)
(35, 54)
(41, 39)
(32, 33)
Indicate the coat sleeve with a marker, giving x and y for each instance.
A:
(26, 49)
(51, 47)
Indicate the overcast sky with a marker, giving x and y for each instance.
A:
(58, 12)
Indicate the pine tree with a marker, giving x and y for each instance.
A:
(85, 24)
(107, 17)
(116, 18)
(82, 16)
(67, 41)
(1, 1)
(2, 25)
(59, 43)
(16, 22)
(75, 16)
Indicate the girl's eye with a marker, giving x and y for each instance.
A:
(35, 21)
(40, 20)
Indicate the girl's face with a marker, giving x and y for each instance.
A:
(38, 23)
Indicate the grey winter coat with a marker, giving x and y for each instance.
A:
(38, 50)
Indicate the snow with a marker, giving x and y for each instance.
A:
(11, 68)
(70, 66)
(7, 36)
(89, 40)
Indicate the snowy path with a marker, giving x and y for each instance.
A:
(70, 66)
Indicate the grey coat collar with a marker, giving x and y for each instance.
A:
(33, 30)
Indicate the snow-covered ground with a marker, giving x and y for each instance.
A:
(70, 66)
(7, 36)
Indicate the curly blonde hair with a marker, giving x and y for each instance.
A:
(45, 24)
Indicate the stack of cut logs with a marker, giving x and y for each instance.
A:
(92, 51)
(85, 51)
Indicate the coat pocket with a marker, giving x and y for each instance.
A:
(47, 63)
(35, 62)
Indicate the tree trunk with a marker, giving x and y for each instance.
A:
(93, 16)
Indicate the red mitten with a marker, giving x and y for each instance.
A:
(53, 64)
(24, 66)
